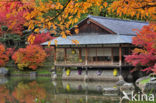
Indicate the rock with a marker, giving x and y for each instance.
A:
(4, 71)
(120, 83)
(54, 75)
(149, 85)
(153, 79)
(127, 87)
(110, 91)
(120, 78)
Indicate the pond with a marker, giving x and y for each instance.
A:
(44, 90)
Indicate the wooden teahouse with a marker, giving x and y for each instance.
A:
(103, 43)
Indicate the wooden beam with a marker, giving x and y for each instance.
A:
(86, 55)
(80, 52)
(65, 55)
(120, 55)
(102, 26)
(54, 54)
(112, 56)
(96, 54)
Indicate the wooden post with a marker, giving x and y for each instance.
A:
(96, 55)
(65, 55)
(54, 55)
(112, 56)
(120, 59)
(86, 75)
(120, 55)
(80, 53)
(86, 56)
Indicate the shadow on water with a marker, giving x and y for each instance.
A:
(44, 90)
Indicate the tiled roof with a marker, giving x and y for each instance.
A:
(119, 26)
(122, 28)
(92, 39)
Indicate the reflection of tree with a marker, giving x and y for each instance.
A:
(27, 93)
(4, 94)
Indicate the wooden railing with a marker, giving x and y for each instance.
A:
(97, 64)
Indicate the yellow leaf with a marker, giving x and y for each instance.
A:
(75, 42)
(37, 30)
(49, 43)
(105, 4)
(49, 24)
(54, 27)
(76, 20)
(8, 15)
(63, 35)
(55, 41)
(76, 26)
(76, 31)
(67, 32)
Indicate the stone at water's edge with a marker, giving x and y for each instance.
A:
(124, 86)
(127, 87)
(120, 83)
(54, 76)
(149, 86)
(110, 91)
(4, 71)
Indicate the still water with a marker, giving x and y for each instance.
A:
(44, 90)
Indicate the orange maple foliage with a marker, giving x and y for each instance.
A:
(27, 93)
(30, 57)
(64, 15)
(141, 9)
(12, 15)
(3, 56)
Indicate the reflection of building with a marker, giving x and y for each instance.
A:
(103, 42)
(89, 92)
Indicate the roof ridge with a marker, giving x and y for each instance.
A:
(110, 18)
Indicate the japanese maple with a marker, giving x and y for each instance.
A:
(145, 55)
(12, 15)
(30, 57)
(39, 38)
(3, 56)
(58, 16)
(141, 9)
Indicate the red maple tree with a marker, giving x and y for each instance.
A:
(40, 38)
(30, 57)
(3, 56)
(12, 16)
(145, 54)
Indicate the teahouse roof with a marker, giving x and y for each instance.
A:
(122, 28)
(119, 26)
(93, 39)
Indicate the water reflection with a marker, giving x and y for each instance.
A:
(44, 90)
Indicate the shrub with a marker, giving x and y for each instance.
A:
(4, 58)
(30, 57)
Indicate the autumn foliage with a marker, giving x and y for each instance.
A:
(145, 55)
(141, 9)
(12, 16)
(27, 93)
(3, 55)
(58, 16)
(30, 57)
(39, 38)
